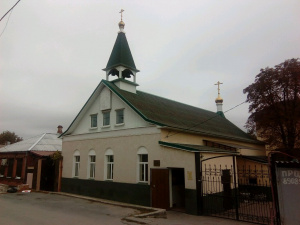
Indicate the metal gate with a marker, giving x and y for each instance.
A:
(238, 193)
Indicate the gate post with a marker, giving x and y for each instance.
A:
(235, 189)
(198, 173)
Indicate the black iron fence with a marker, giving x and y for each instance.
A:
(239, 193)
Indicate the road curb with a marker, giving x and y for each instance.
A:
(154, 212)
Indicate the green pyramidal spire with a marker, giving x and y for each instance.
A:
(121, 54)
(121, 62)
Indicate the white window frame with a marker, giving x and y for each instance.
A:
(142, 167)
(109, 165)
(103, 113)
(91, 172)
(76, 164)
(91, 121)
(117, 117)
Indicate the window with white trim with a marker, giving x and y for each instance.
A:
(119, 116)
(142, 165)
(106, 118)
(76, 163)
(94, 123)
(92, 164)
(109, 165)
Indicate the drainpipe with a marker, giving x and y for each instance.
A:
(60, 167)
(38, 178)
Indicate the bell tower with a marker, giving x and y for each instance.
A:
(121, 63)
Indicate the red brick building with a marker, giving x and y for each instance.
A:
(30, 162)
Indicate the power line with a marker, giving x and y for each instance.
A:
(6, 23)
(9, 10)
(187, 129)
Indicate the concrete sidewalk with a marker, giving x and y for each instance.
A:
(155, 216)
(178, 218)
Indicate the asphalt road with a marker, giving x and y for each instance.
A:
(37, 208)
(40, 208)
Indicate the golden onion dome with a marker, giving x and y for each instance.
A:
(121, 24)
(219, 99)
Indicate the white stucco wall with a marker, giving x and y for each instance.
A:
(125, 146)
(126, 139)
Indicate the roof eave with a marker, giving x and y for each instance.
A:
(120, 64)
(214, 135)
(185, 148)
(81, 110)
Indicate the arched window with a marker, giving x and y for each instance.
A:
(109, 165)
(142, 164)
(76, 163)
(92, 164)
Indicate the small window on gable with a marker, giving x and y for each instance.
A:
(93, 120)
(119, 116)
(106, 118)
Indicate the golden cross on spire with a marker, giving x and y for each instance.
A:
(218, 83)
(122, 10)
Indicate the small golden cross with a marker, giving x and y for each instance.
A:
(121, 14)
(218, 83)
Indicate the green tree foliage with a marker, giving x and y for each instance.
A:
(274, 100)
(11, 137)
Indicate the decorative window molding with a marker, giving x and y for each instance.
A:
(109, 165)
(76, 163)
(142, 162)
(94, 122)
(119, 116)
(92, 164)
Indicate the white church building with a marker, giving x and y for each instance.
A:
(131, 146)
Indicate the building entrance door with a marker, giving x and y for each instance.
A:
(177, 189)
(159, 183)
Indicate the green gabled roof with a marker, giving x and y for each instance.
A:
(165, 112)
(121, 54)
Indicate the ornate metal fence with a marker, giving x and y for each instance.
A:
(237, 193)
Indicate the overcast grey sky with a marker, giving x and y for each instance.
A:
(52, 53)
